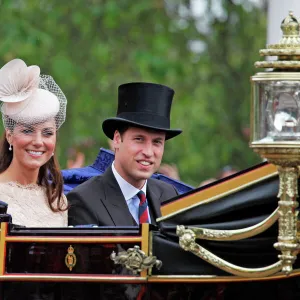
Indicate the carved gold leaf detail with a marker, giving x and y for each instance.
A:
(135, 260)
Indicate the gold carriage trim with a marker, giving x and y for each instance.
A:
(70, 259)
(187, 241)
(135, 260)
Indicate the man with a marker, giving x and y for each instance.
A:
(125, 194)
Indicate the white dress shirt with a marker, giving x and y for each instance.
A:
(129, 192)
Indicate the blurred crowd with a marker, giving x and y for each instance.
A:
(225, 172)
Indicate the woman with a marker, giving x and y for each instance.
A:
(33, 108)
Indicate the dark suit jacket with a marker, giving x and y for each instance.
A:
(100, 201)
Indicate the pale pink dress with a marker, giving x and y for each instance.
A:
(28, 206)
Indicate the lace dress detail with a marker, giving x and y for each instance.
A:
(28, 205)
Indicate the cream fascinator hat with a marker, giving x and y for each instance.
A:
(29, 98)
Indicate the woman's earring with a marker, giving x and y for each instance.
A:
(10, 147)
(52, 153)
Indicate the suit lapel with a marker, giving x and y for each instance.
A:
(153, 197)
(114, 201)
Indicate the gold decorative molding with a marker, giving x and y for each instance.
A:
(217, 278)
(187, 241)
(73, 240)
(285, 155)
(72, 278)
(135, 260)
(237, 234)
(287, 238)
(278, 64)
(281, 52)
(145, 245)
(288, 183)
(274, 76)
(2, 247)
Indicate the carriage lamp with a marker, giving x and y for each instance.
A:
(275, 128)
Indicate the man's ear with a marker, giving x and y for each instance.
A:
(117, 140)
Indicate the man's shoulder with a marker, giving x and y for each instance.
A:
(87, 185)
(161, 190)
(161, 184)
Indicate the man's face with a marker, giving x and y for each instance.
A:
(138, 154)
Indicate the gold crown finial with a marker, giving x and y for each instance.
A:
(288, 48)
(290, 25)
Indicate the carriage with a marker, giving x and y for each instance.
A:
(212, 242)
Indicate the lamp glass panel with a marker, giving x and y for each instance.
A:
(276, 112)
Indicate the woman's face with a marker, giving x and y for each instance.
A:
(32, 145)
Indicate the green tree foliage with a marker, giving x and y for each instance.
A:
(90, 47)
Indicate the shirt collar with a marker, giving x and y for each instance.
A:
(128, 190)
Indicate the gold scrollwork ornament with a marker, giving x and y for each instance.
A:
(70, 259)
(135, 260)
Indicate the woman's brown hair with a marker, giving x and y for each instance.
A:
(49, 176)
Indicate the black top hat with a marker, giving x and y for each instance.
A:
(145, 105)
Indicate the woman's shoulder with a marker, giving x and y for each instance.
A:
(6, 191)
